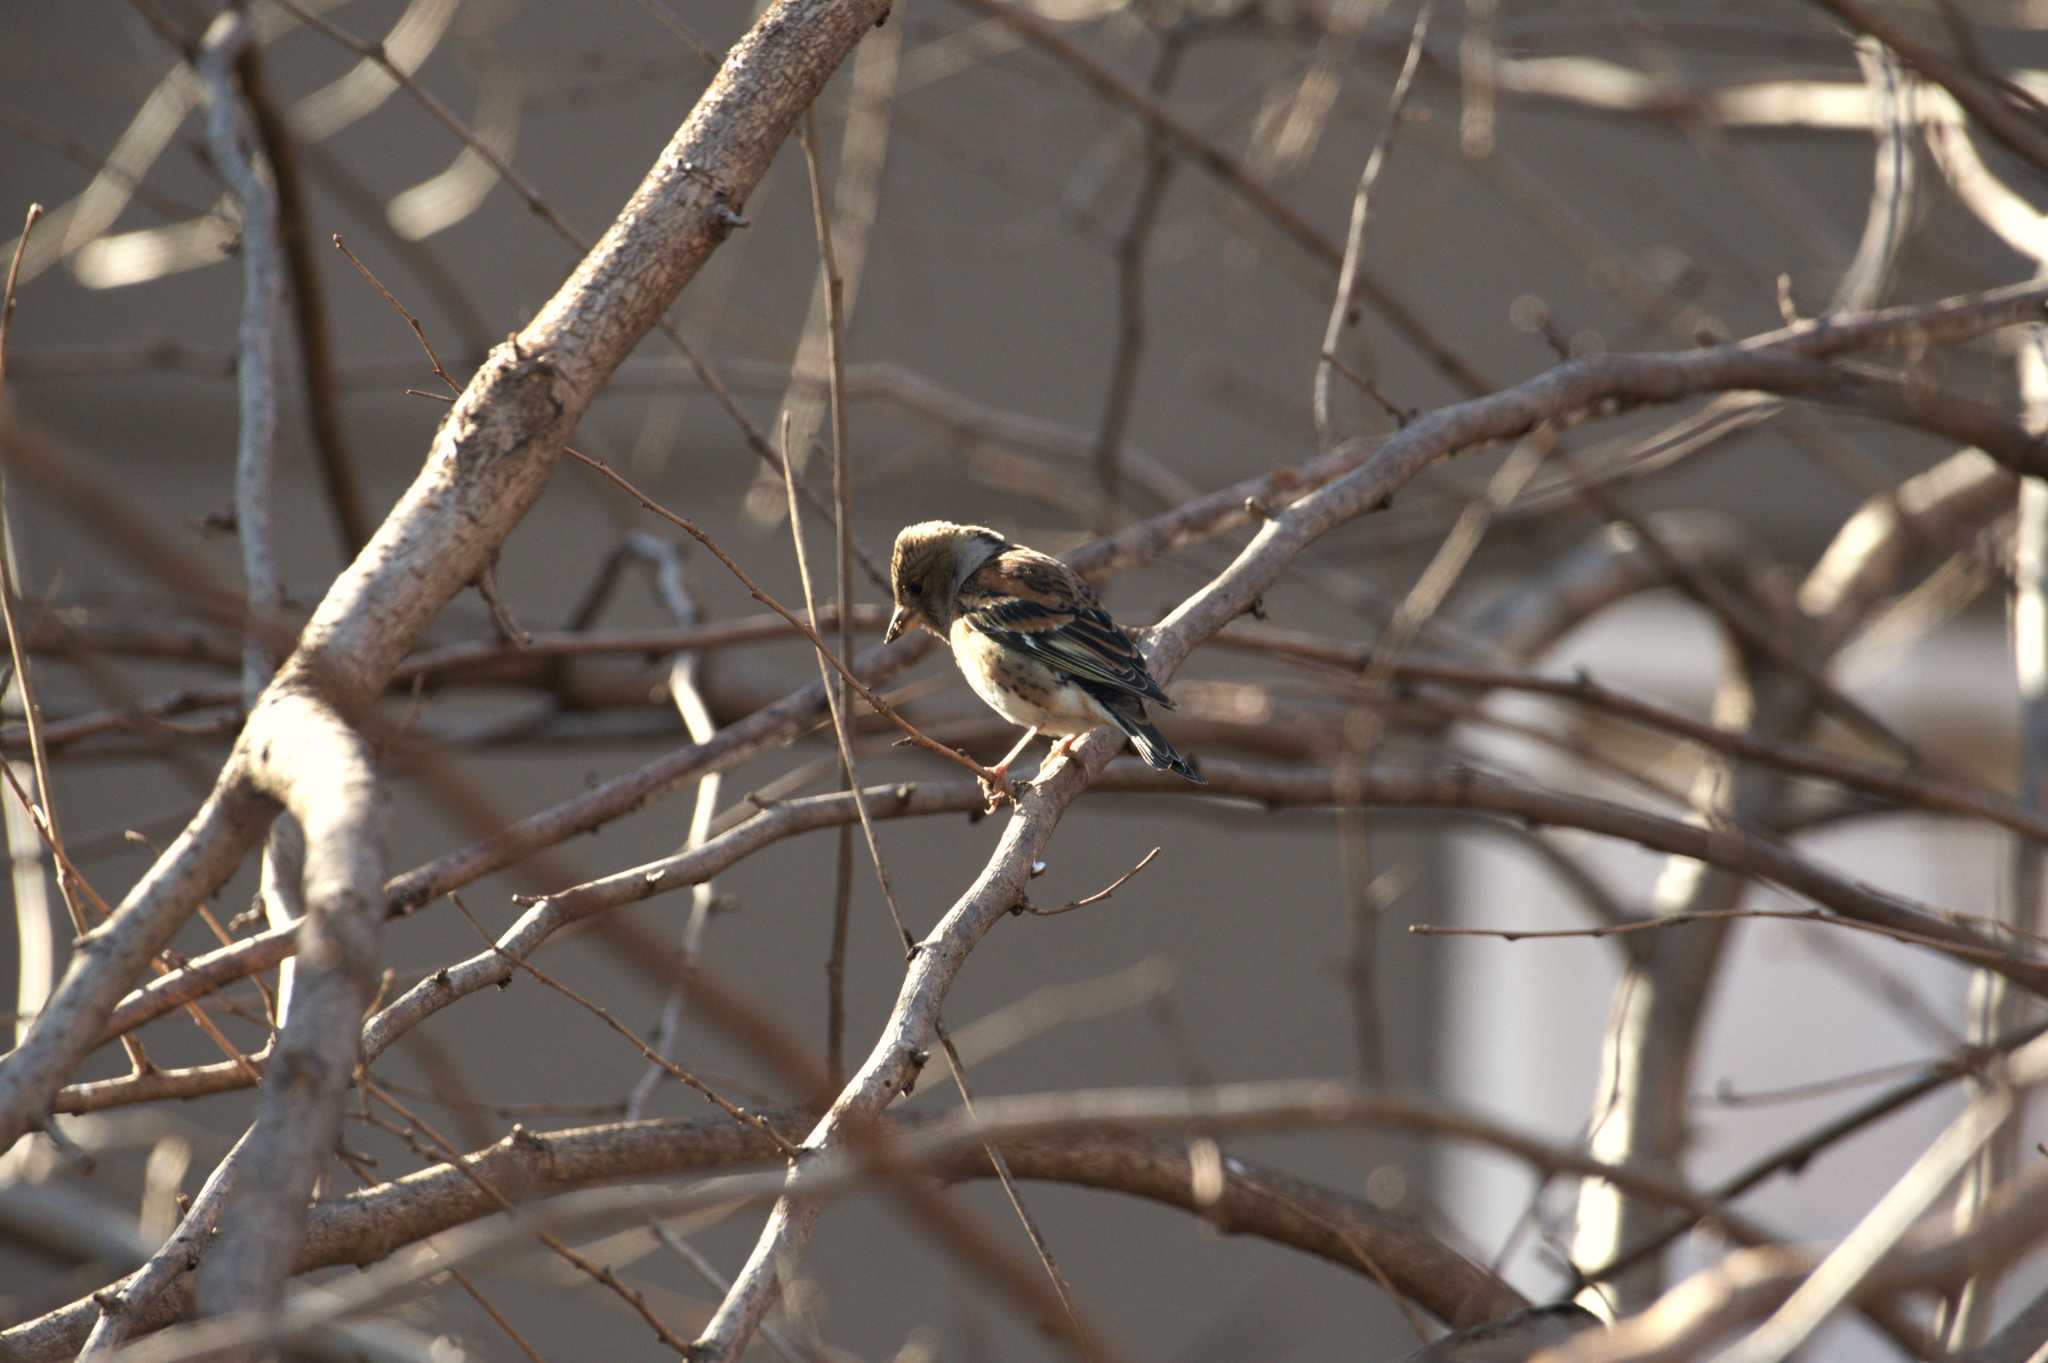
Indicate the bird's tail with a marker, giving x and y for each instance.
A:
(1150, 743)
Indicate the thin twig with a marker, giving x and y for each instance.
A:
(1401, 415)
(42, 809)
(852, 204)
(1104, 893)
(835, 957)
(685, 686)
(419, 1129)
(316, 343)
(509, 629)
(1344, 305)
(1899, 785)
(458, 1277)
(1130, 279)
(1083, 1333)
(647, 1052)
(721, 1284)
(1679, 920)
(839, 718)
(418, 331)
(842, 495)
(35, 212)
(755, 590)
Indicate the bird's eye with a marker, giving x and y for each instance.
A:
(916, 585)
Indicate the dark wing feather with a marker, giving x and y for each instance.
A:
(1035, 603)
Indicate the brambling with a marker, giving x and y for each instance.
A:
(1030, 637)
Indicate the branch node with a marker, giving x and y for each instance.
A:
(80, 1160)
(918, 1059)
(1787, 309)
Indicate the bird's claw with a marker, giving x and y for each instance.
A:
(997, 792)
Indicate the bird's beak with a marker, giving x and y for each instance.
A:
(902, 620)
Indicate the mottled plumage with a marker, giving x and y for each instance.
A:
(1029, 635)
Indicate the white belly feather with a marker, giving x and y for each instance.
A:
(1020, 688)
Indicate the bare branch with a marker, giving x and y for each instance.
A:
(1990, 107)
(1130, 281)
(309, 301)
(1342, 306)
(319, 769)
(256, 367)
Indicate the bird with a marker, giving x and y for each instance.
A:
(1030, 636)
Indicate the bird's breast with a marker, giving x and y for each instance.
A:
(1020, 688)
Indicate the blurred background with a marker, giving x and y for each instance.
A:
(1565, 177)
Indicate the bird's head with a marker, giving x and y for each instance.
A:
(931, 560)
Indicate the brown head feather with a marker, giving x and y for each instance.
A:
(925, 570)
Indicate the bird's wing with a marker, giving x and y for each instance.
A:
(1033, 602)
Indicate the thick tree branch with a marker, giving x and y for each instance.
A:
(326, 781)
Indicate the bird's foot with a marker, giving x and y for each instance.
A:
(1063, 748)
(996, 790)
